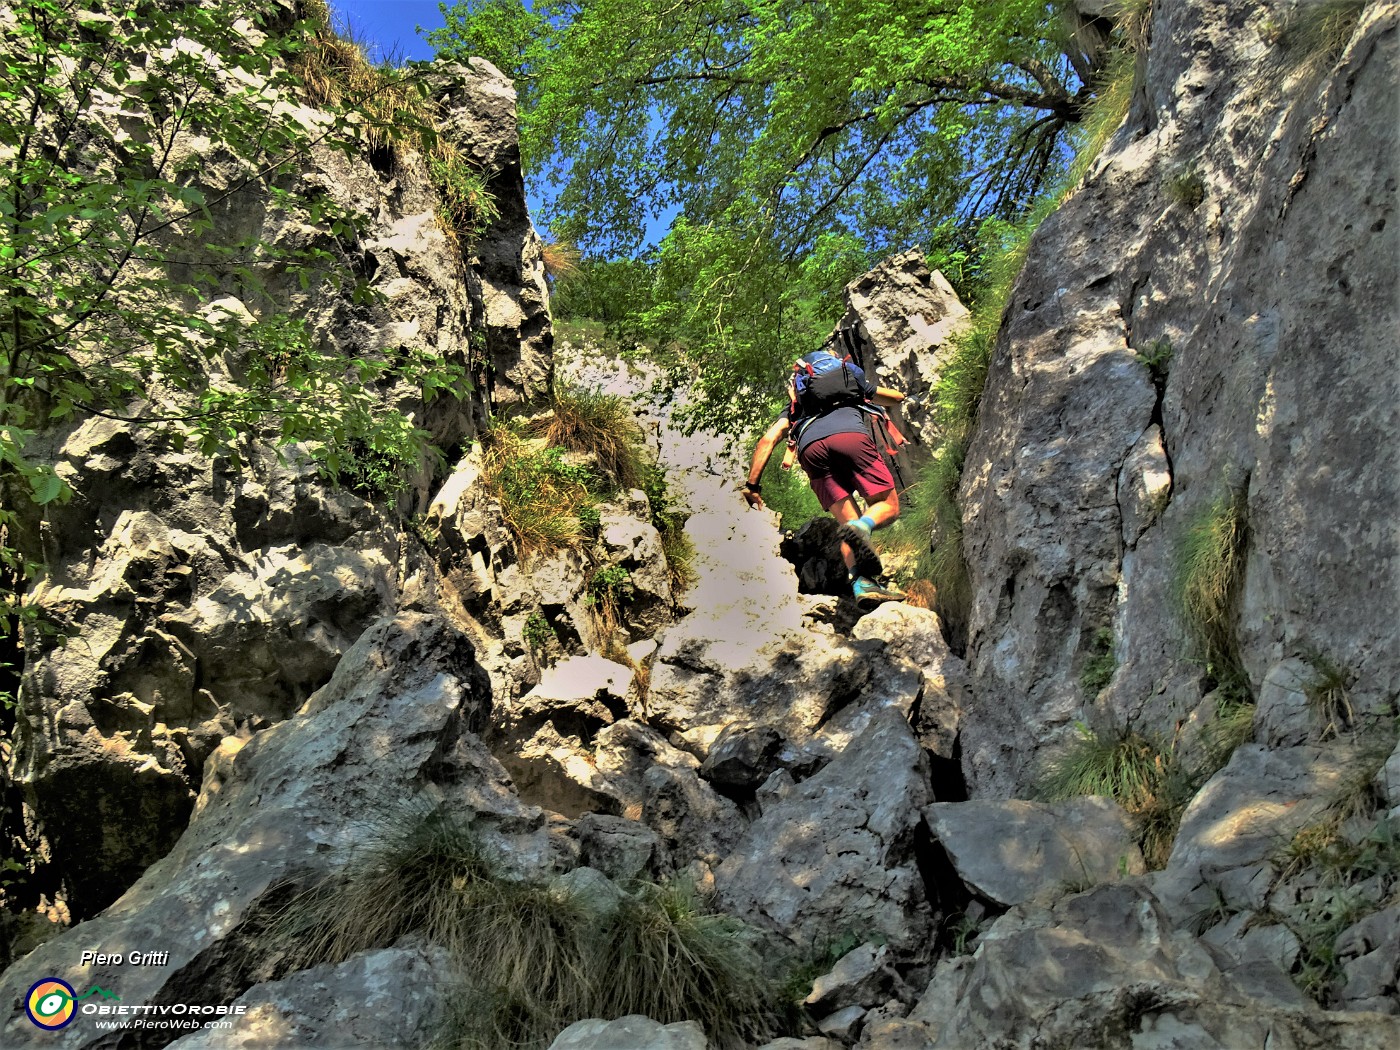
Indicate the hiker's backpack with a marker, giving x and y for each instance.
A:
(822, 381)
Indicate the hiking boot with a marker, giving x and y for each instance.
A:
(857, 537)
(870, 593)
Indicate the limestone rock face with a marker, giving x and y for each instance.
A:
(1106, 968)
(910, 313)
(393, 732)
(479, 102)
(387, 998)
(1211, 313)
(211, 601)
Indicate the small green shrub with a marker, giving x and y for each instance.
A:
(1186, 187)
(1157, 356)
(539, 632)
(669, 520)
(467, 208)
(1210, 580)
(1101, 663)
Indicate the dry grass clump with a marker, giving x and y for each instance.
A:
(601, 427)
(561, 260)
(530, 958)
(541, 494)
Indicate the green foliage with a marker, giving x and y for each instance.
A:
(467, 207)
(800, 142)
(1186, 187)
(669, 520)
(124, 295)
(539, 632)
(788, 493)
(1157, 356)
(1101, 663)
(1210, 566)
(529, 959)
(540, 493)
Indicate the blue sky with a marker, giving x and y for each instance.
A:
(390, 24)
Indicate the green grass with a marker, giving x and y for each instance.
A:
(788, 493)
(601, 427)
(529, 959)
(541, 494)
(1209, 581)
(1186, 187)
(1152, 782)
(1314, 35)
(1101, 663)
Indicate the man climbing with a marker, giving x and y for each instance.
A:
(826, 417)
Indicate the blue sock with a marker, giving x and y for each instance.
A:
(864, 519)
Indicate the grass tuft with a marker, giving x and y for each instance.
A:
(1329, 696)
(541, 494)
(530, 959)
(1210, 581)
(1314, 35)
(601, 427)
(1101, 663)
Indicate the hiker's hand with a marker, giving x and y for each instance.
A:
(753, 497)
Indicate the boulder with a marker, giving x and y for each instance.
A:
(916, 635)
(836, 852)
(393, 730)
(1236, 824)
(1013, 852)
(388, 998)
(633, 1032)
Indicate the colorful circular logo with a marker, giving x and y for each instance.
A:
(49, 1003)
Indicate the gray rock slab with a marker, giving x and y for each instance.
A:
(835, 852)
(632, 1032)
(389, 998)
(1012, 852)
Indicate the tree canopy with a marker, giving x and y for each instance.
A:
(797, 139)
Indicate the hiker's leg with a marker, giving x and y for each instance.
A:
(882, 508)
(845, 510)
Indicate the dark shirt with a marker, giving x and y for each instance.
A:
(844, 420)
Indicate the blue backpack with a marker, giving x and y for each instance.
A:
(823, 381)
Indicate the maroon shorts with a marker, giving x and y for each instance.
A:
(844, 463)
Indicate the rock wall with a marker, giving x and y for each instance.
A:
(200, 600)
(1241, 229)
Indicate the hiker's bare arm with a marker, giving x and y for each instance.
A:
(885, 396)
(762, 452)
